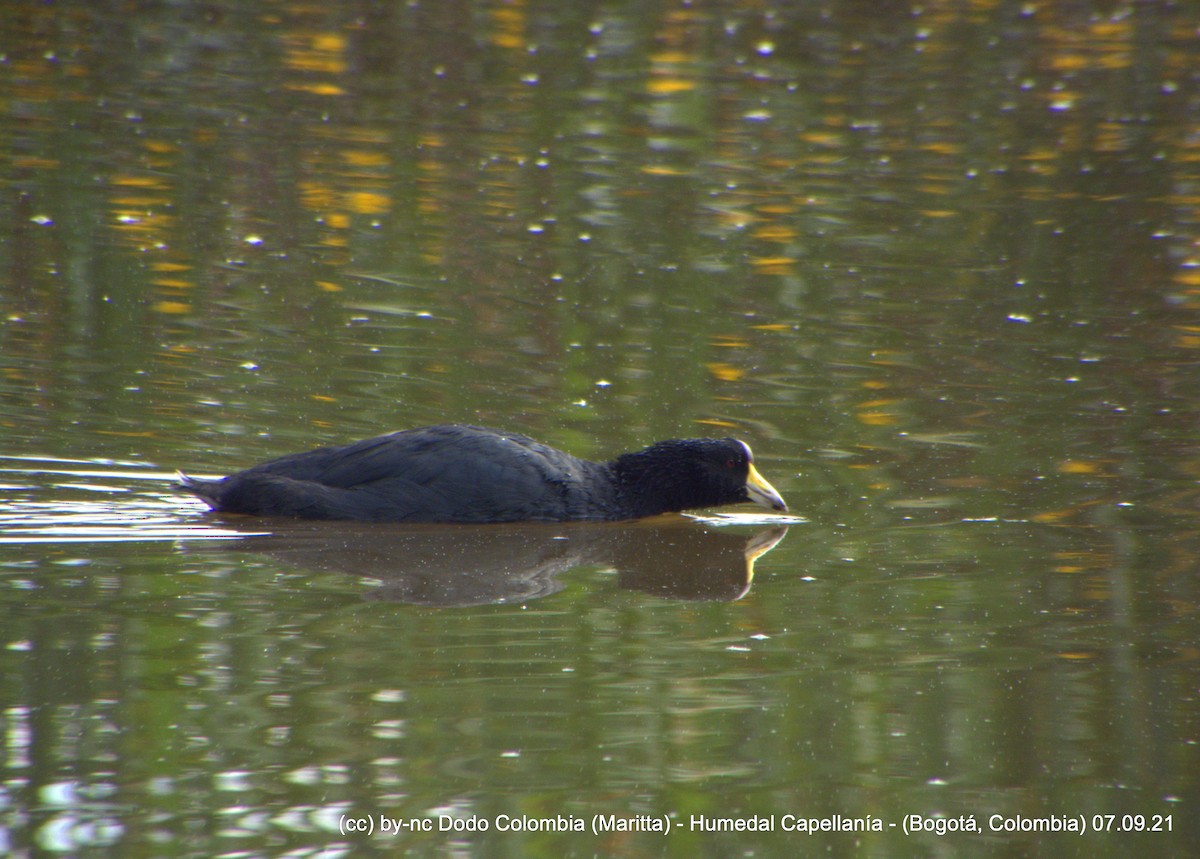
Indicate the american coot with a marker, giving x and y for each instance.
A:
(470, 474)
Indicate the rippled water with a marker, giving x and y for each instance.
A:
(94, 501)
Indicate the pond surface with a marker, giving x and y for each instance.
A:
(938, 264)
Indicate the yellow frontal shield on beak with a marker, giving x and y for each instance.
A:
(761, 492)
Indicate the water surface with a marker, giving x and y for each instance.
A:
(937, 264)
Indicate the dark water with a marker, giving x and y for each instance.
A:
(939, 264)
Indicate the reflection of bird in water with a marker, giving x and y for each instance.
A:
(468, 474)
(462, 565)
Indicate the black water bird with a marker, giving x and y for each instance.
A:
(457, 473)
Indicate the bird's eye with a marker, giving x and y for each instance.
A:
(729, 464)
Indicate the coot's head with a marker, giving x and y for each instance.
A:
(683, 474)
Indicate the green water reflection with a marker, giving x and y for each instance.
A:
(939, 264)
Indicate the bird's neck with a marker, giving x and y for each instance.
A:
(649, 485)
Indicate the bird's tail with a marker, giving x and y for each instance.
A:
(206, 490)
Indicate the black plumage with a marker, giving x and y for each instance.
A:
(457, 473)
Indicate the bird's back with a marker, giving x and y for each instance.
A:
(434, 474)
